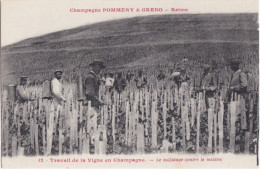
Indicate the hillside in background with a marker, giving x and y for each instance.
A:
(138, 41)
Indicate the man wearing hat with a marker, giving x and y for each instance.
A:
(91, 86)
(21, 92)
(92, 83)
(56, 88)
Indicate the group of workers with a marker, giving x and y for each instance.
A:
(208, 85)
(238, 82)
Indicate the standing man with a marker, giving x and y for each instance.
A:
(56, 88)
(129, 76)
(23, 124)
(91, 86)
(161, 76)
(238, 82)
(92, 83)
(109, 84)
(237, 92)
(180, 77)
(208, 85)
(140, 80)
(120, 83)
(21, 91)
(58, 98)
(251, 92)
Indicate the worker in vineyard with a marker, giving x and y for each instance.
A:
(161, 76)
(238, 82)
(120, 83)
(109, 84)
(181, 80)
(238, 89)
(208, 84)
(129, 76)
(58, 98)
(180, 77)
(140, 80)
(250, 90)
(92, 83)
(21, 91)
(56, 88)
(22, 98)
(91, 88)
(249, 99)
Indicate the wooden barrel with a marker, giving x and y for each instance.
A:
(80, 95)
(46, 92)
(11, 93)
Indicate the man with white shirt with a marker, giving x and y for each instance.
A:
(110, 82)
(56, 88)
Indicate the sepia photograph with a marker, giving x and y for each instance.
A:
(155, 83)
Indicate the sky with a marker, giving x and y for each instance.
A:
(22, 19)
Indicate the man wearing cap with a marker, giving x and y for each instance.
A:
(21, 92)
(56, 88)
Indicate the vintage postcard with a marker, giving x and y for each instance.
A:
(129, 84)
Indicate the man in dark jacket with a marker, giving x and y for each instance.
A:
(92, 83)
(129, 76)
(91, 86)
(140, 80)
(120, 83)
(161, 75)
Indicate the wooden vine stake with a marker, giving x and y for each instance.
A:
(198, 124)
(232, 126)
(220, 127)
